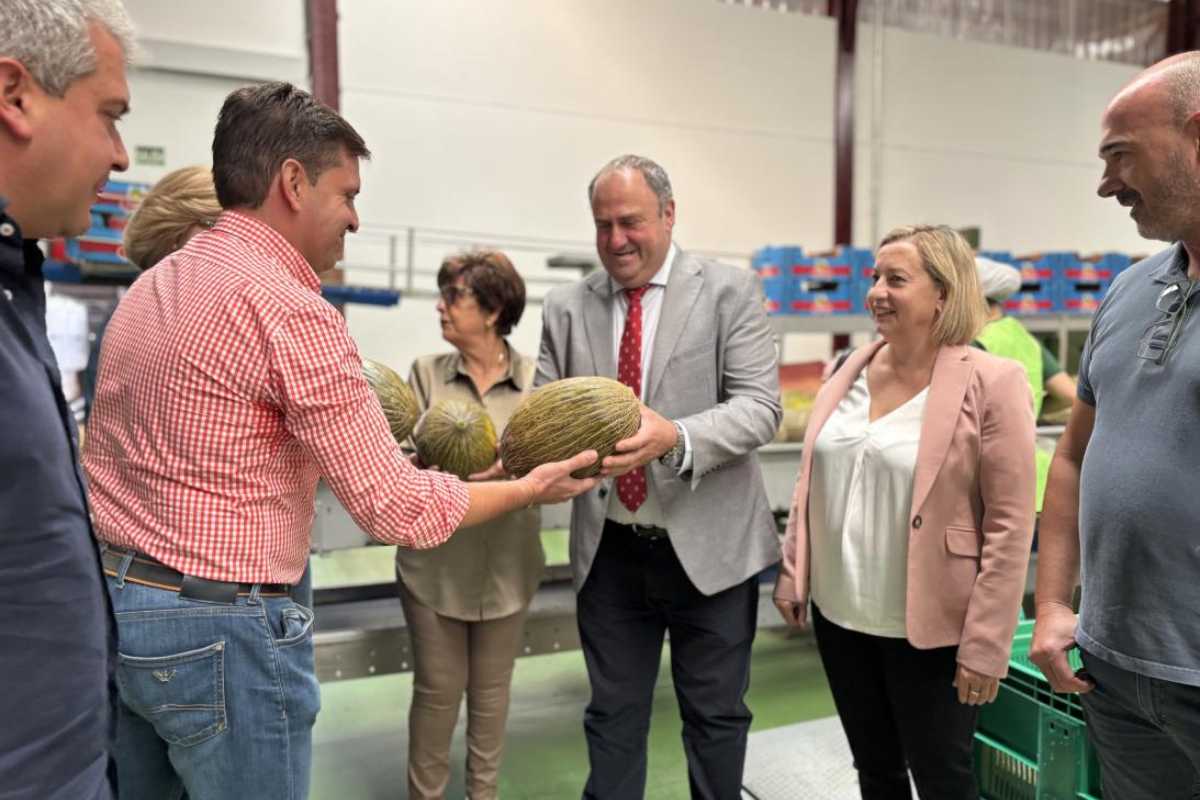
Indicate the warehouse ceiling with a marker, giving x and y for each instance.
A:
(1125, 31)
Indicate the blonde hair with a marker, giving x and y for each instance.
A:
(950, 261)
(180, 200)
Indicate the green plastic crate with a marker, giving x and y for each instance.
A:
(1032, 743)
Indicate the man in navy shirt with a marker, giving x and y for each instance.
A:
(62, 91)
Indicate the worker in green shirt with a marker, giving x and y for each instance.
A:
(1006, 336)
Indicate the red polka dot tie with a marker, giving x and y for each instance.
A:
(631, 487)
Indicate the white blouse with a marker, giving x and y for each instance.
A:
(860, 497)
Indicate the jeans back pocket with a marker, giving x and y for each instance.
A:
(181, 695)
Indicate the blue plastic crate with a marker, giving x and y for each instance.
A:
(822, 286)
(862, 266)
(777, 289)
(1039, 292)
(1083, 284)
(773, 265)
(96, 249)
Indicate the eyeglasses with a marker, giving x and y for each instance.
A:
(1161, 336)
(452, 293)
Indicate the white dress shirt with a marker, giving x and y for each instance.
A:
(649, 512)
(860, 496)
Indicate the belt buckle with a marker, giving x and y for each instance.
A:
(649, 532)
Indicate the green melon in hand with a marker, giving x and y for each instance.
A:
(566, 417)
(399, 403)
(457, 437)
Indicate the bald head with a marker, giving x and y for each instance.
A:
(1173, 82)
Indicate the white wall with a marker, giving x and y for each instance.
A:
(492, 117)
(191, 54)
(998, 137)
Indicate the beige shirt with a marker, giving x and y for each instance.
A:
(490, 570)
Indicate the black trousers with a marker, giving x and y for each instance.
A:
(636, 591)
(900, 712)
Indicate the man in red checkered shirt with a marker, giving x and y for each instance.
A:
(227, 386)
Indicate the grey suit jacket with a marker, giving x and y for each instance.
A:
(714, 370)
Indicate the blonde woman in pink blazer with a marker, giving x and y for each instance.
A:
(911, 522)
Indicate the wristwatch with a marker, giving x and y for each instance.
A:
(673, 458)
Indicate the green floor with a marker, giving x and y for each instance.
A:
(359, 742)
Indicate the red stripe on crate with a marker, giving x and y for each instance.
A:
(810, 306)
(821, 271)
(98, 247)
(1026, 306)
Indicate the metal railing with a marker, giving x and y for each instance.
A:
(407, 257)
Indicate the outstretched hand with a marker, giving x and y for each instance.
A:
(552, 483)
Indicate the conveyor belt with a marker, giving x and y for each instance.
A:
(361, 638)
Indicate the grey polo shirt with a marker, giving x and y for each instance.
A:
(1139, 505)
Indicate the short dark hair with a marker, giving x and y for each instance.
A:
(492, 279)
(262, 126)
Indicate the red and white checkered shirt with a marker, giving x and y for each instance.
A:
(227, 385)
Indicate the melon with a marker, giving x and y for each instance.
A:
(566, 417)
(395, 396)
(457, 437)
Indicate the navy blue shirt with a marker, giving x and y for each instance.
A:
(57, 637)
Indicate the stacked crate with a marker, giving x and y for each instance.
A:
(1039, 284)
(837, 282)
(774, 267)
(1085, 281)
(98, 252)
(823, 285)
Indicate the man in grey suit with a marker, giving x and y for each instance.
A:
(675, 539)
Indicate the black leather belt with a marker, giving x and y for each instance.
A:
(651, 533)
(147, 571)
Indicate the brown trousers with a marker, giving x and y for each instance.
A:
(452, 656)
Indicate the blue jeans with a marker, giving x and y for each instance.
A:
(218, 700)
(1146, 733)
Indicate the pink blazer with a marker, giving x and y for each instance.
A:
(972, 508)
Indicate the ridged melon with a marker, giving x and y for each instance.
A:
(399, 403)
(566, 417)
(457, 437)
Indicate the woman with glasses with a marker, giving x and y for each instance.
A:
(465, 601)
(911, 522)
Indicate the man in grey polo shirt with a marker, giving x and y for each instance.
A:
(1122, 505)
